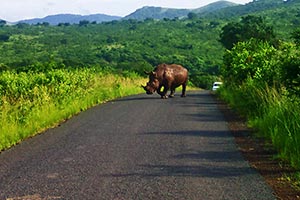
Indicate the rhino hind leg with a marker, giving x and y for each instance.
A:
(183, 90)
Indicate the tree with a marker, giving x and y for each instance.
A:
(249, 27)
(290, 67)
(2, 23)
(4, 37)
(251, 60)
(84, 23)
(192, 16)
(296, 36)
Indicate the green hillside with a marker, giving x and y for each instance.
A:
(136, 45)
(282, 15)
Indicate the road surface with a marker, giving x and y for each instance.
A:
(138, 147)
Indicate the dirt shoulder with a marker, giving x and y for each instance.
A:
(260, 155)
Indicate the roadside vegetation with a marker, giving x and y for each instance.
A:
(262, 81)
(31, 102)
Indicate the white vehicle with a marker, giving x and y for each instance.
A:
(216, 86)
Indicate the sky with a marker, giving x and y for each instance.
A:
(15, 10)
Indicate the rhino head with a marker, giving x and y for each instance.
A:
(153, 83)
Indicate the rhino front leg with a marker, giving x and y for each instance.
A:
(159, 90)
(163, 94)
(172, 93)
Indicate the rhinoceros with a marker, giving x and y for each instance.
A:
(168, 76)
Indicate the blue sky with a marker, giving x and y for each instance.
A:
(15, 10)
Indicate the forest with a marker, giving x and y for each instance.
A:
(130, 44)
(135, 46)
(254, 49)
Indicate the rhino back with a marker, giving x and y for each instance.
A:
(176, 74)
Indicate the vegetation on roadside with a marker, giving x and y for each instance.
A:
(30, 102)
(262, 81)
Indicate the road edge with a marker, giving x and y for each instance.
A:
(259, 154)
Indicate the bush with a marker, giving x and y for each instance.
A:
(250, 60)
(289, 60)
(4, 37)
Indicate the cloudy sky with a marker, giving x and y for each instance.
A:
(14, 10)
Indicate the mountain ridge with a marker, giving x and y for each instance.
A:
(157, 13)
(161, 12)
(70, 18)
(140, 14)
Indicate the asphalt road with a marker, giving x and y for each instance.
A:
(139, 147)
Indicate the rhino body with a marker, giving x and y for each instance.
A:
(168, 77)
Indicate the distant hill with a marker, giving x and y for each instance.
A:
(219, 9)
(170, 13)
(70, 18)
(140, 14)
(253, 7)
(214, 7)
(157, 13)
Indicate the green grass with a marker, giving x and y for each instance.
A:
(280, 121)
(273, 114)
(34, 101)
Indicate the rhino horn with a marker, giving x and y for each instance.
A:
(148, 73)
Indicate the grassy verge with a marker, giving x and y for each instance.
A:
(274, 115)
(280, 121)
(34, 101)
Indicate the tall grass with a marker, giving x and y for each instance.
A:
(34, 101)
(280, 121)
(275, 115)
